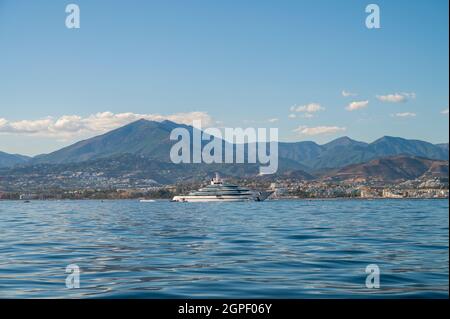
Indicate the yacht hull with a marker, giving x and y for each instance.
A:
(204, 199)
(257, 197)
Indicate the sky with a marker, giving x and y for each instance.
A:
(311, 68)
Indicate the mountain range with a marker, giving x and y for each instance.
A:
(345, 151)
(150, 140)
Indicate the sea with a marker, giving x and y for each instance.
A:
(272, 249)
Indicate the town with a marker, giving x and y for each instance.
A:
(85, 185)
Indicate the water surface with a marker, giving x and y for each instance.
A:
(274, 249)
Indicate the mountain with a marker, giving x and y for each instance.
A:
(9, 160)
(301, 152)
(151, 140)
(345, 151)
(443, 146)
(391, 169)
(389, 146)
(142, 137)
(341, 152)
(343, 142)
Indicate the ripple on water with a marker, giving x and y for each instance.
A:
(279, 249)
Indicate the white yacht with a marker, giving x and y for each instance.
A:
(218, 191)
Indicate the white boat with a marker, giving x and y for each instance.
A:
(218, 191)
(147, 201)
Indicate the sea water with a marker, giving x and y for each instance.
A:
(272, 249)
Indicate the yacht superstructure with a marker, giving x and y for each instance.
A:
(218, 191)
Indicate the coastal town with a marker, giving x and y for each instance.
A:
(83, 185)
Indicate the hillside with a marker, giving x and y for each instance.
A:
(391, 169)
(142, 137)
(10, 160)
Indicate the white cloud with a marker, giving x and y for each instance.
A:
(357, 105)
(305, 115)
(25, 126)
(445, 112)
(348, 94)
(405, 114)
(71, 126)
(273, 120)
(308, 108)
(396, 97)
(319, 130)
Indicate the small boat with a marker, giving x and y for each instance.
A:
(147, 201)
(218, 191)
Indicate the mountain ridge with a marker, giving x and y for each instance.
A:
(8, 160)
(151, 139)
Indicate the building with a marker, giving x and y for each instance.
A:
(387, 193)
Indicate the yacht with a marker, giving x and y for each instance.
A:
(218, 191)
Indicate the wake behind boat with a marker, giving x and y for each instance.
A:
(218, 191)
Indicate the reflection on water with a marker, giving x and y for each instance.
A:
(278, 249)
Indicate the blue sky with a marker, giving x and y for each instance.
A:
(241, 63)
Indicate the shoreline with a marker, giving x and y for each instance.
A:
(268, 200)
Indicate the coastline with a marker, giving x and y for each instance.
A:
(268, 200)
